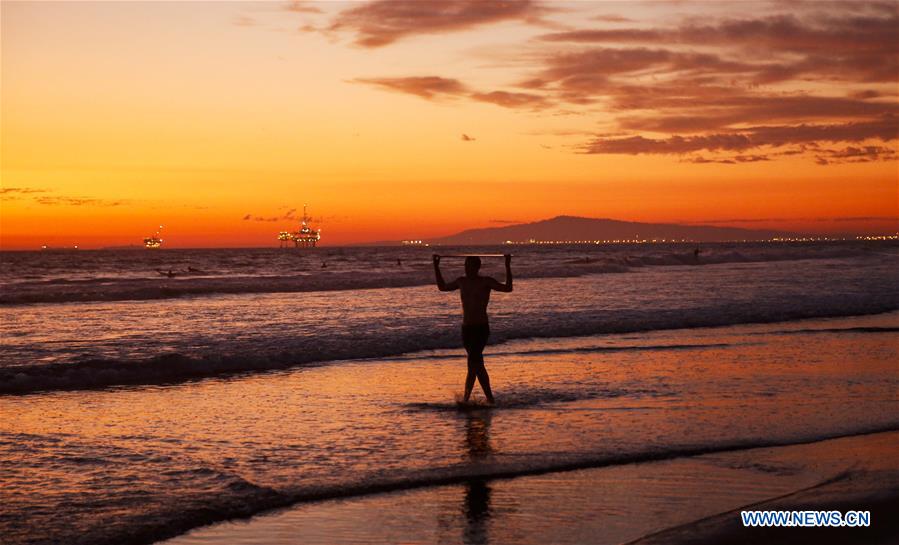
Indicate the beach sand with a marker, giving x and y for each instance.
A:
(687, 500)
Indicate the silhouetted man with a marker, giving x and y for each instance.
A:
(475, 292)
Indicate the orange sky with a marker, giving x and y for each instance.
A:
(220, 119)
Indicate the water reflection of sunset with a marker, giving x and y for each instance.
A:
(392, 424)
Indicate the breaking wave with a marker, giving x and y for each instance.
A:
(359, 345)
(120, 282)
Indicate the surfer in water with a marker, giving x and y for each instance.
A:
(475, 292)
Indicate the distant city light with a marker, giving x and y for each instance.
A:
(692, 241)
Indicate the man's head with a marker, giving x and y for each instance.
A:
(472, 265)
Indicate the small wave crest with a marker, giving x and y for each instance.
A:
(265, 355)
(106, 287)
(861, 329)
(597, 349)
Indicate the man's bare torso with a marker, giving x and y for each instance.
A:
(475, 293)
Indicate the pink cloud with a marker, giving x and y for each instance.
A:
(754, 137)
(429, 87)
(383, 22)
(715, 86)
(434, 88)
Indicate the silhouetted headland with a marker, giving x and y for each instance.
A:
(572, 228)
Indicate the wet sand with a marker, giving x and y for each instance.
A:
(686, 500)
(869, 482)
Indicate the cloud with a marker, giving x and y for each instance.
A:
(21, 190)
(820, 34)
(438, 88)
(76, 201)
(867, 93)
(782, 47)
(885, 130)
(588, 71)
(466, 138)
(383, 22)
(611, 18)
(655, 77)
(290, 215)
(511, 100)
(428, 87)
(39, 197)
(790, 83)
(705, 160)
(729, 160)
(750, 158)
(301, 7)
(722, 111)
(854, 154)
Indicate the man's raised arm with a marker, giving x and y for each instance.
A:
(441, 285)
(507, 287)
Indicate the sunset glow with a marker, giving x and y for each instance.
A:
(407, 120)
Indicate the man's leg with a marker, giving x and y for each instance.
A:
(475, 340)
(470, 348)
(479, 368)
(484, 379)
(469, 380)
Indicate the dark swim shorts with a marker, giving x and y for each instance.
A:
(474, 337)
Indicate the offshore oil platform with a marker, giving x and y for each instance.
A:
(155, 241)
(304, 237)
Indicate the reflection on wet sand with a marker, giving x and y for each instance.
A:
(476, 507)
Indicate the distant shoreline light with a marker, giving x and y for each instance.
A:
(861, 238)
(693, 241)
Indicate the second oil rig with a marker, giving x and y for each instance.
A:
(154, 242)
(304, 237)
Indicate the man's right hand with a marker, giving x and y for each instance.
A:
(436, 259)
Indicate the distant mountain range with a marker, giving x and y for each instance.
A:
(572, 228)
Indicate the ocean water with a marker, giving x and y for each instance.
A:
(136, 406)
(87, 319)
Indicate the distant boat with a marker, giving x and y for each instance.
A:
(154, 241)
(304, 237)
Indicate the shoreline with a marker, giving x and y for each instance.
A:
(874, 486)
(853, 490)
